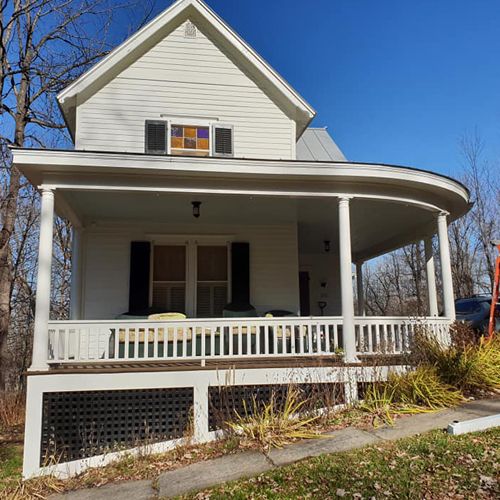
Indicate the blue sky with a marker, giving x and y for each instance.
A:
(395, 81)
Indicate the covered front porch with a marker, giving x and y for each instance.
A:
(238, 264)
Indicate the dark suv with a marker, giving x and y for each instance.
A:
(475, 310)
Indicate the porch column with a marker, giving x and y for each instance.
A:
(360, 289)
(348, 333)
(444, 254)
(76, 275)
(430, 272)
(42, 303)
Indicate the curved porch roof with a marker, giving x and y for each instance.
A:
(392, 205)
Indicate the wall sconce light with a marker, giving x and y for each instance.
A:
(196, 208)
(326, 243)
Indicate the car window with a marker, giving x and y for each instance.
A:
(467, 307)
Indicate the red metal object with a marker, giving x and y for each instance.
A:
(495, 293)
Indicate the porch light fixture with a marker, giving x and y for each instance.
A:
(196, 208)
(326, 243)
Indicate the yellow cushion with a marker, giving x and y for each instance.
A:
(167, 316)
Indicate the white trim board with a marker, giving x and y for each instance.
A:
(474, 425)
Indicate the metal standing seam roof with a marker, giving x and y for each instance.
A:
(316, 144)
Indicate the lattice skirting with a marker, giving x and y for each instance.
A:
(78, 425)
(224, 401)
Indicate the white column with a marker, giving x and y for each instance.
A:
(360, 289)
(42, 303)
(347, 295)
(430, 271)
(76, 275)
(444, 254)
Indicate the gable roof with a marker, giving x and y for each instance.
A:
(136, 45)
(316, 144)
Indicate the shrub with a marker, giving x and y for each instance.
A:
(468, 366)
(272, 426)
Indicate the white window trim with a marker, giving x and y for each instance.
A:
(195, 122)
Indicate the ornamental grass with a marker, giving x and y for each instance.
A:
(272, 425)
(468, 366)
(417, 391)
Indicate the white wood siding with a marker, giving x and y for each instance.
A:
(323, 268)
(184, 76)
(273, 265)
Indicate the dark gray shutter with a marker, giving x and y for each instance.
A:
(240, 273)
(223, 141)
(156, 137)
(140, 255)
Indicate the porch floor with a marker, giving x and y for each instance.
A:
(223, 364)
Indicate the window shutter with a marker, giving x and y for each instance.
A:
(240, 273)
(223, 140)
(140, 254)
(156, 137)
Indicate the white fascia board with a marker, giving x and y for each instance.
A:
(154, 26)
(243, 168)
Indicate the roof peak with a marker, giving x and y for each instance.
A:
(159, 27)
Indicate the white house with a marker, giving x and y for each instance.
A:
(196, 189)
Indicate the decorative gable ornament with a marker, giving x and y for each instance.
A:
(190, 30)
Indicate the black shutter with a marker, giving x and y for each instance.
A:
(140, 255)
(156, 137)
(223, 140)
(240, 274)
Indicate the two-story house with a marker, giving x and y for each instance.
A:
(214, 239)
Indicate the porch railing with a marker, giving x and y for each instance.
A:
(394, 335)
(118, 340)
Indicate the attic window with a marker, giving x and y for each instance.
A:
(189, 140)
(190, 30)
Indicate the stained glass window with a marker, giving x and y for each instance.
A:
(189, 140)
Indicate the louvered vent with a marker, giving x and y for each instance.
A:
(190, 30)
(223, 141)
(156, 137)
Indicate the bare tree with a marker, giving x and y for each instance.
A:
(484, 183)
(395, 283)
(44, 45)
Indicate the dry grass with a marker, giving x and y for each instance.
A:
(128, 468)
(417, 391)
(272, 426)
(471, 367)
(12, 406)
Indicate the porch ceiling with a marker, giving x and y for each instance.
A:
(377, 226)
